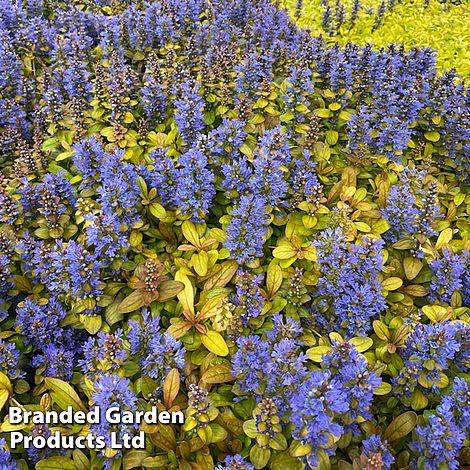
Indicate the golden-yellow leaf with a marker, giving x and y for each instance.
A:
(215, 343)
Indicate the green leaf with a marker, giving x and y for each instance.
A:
(190, 232)
(437, 313)
(273, 279)
(444, 238)
(92, 323)
(381, 330)
(63, 394)
(392, 283)
(412, 267)
(179, 329)
(186, 295)
(322, 112)
(219, 434)
(249, 428)
(217, 374)
(59, 463)
(171, 387)
(361, 344)
(223, 276)
(160, 461)
(4, 396)
(133, 459)
(315, 354)
(284, 252)
(132, 302)
(215, 343)
(401, 426)
(157, 210)
(257, 119)
(279, 442)
(81, 460)
(112, 313)
(200, 263)
(433, 136)
(259, 457)
(418, 400)
(297, 449)
(169, 290)
(5, 383)
(331, 137)
(284, 461)
(383, 389)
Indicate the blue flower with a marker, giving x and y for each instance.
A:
(118, 193)
(87, 157)
(248, 297)
(103, 354)
(57, 360)
(9, 208)
(189, 116)
(249, 362)
(5, 275)
(431, 349)
(314, 406)
(351, 370)
(236, 175)
(268, 180)
(40, 323)
(246, 230)
(376, 452)
(270, 368)
(349, 282)
(163, 175)
(199, 401)
(234, 462)
(284, 328)
(156, 351)
(255, 70)
(112, 391)
(449, 272)
(154, 95)
(194, 189)
(6, 460)
(9, 360)
(227, 138)
(440, 441)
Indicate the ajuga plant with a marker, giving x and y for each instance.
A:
(425, 23)
(206, 209)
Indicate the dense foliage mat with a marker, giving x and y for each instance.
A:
(205, 208)
(441, 25)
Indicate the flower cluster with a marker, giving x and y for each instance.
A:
(206, 208)
(158, 351)
(273, 366)
(248, 298)
(441, 439)
(349, 282)
(235, 462)
(112, 390)
(9, 360)
(56, 347)
(430, 351)
(6, 460)
(375, 453)
(411, 207)
(331, 400)
(449, 272)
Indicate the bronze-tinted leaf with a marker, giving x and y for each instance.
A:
(169, 290)
(132, 302)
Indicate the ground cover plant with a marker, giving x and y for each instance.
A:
(205, 208)
(438, 24)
